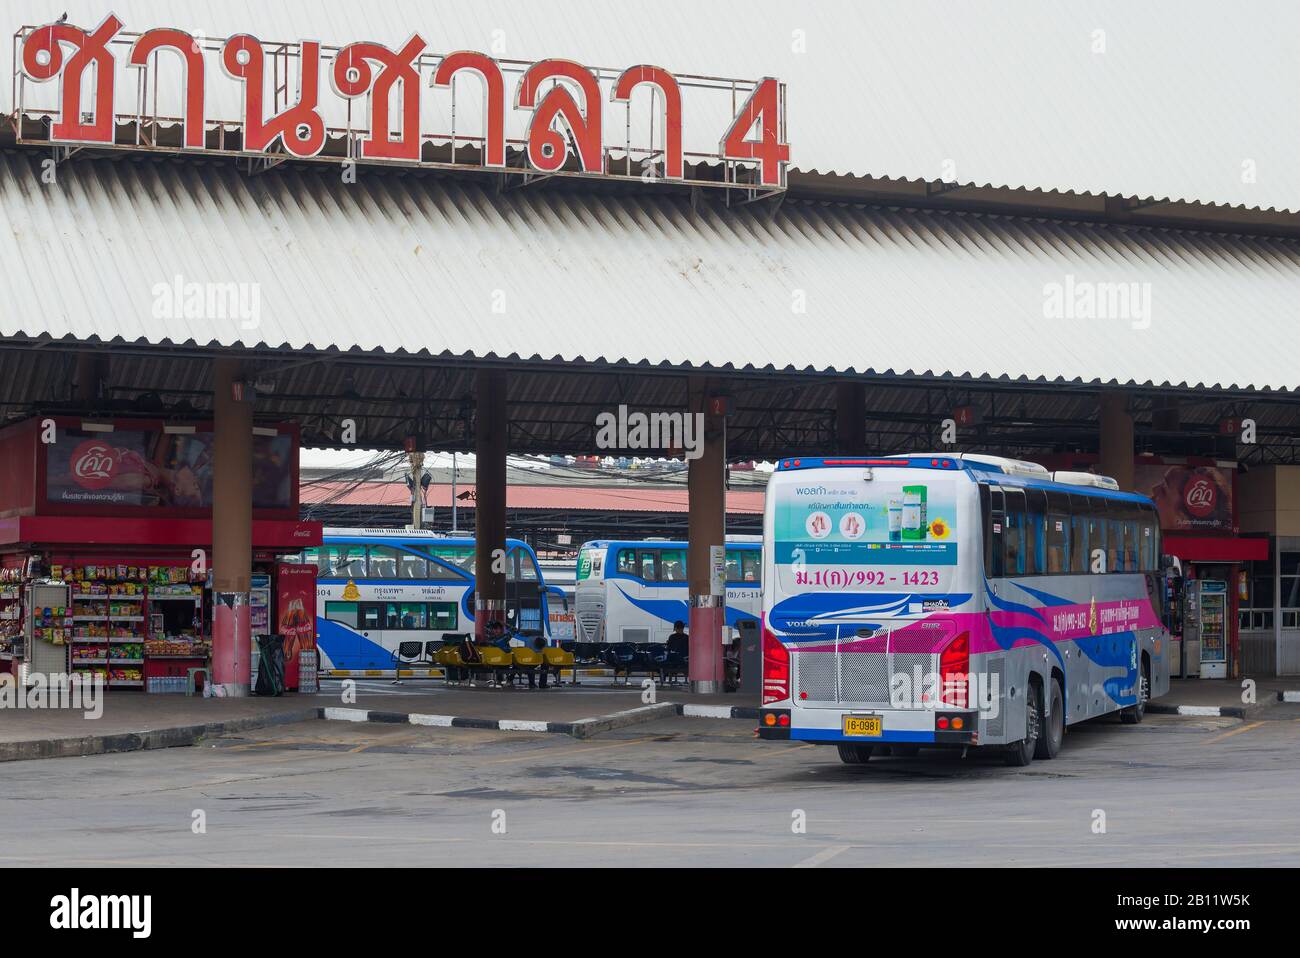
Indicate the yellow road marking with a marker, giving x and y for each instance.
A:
(1235, 731)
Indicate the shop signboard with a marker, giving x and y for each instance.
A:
(1194, 499)
(139, 466)
(362, 102)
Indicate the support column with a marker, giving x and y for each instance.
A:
(1115, 440)
(706, 493)
(851, 418)
(490, 497)
(91, 368)
(232, 528)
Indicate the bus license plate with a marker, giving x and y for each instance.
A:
(868, 726)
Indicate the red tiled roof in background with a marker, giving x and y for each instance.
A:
(600, 498)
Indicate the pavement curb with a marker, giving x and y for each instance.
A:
(580, 728)
(1221, 711)
(718, 711)
(176, 737)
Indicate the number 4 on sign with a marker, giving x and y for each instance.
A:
(763, 108)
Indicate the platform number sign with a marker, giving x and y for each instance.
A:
(761, 110)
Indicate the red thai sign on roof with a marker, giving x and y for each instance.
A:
(166, 89)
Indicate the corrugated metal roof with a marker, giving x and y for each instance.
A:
(421, 264)
(1161, 99)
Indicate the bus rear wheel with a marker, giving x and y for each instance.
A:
(854, 754)
(1133, 714)
(1022, 753)
(1049, 742)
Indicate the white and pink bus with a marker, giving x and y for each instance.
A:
(955, 601)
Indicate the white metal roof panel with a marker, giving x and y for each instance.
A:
(1179, 99)
(403, 263)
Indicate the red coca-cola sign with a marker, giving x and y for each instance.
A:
(93, 464)
(1199, 497)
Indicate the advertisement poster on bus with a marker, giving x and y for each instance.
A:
(875, 523)
(1188, 498)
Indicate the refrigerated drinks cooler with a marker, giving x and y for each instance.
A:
(1205, 629)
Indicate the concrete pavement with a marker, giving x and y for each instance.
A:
(1172, 791)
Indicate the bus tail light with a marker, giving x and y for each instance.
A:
(776, 668)
(954, 672)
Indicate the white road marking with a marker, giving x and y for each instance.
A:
(823, 856)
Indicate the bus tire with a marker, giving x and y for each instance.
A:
(1133, 714)
(905, 751)
(1049, 742)
(854, 754)
(1022, 753)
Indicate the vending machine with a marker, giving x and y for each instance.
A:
(1205, 630)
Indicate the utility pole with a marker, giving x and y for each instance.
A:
(417, 493)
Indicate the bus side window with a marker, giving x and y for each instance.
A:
(993, 521)
(370, 615)
(1131, 514)
(1097, 535)
(1013, 533)
(733, 565)
(527, 566)
(411, 566)
(627, 562)
(344, 612)
(353, 562)
(383, 562)
(1078, 533)
(1035, 532)
(672, 565)
(752, 562)
(1058, 532)
(647, 565)
(1149, 539)
(1114, 535)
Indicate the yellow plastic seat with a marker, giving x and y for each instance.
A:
(526, 658)
(557, 657)
(495, 658)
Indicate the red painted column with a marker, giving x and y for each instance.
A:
(232, 530)
(706, 524)
(490, 433)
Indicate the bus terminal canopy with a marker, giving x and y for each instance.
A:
(375, 299)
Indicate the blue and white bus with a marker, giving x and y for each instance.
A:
(633, 591)
(955, 601)
(386, 597)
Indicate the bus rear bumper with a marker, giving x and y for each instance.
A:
(901, 726)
